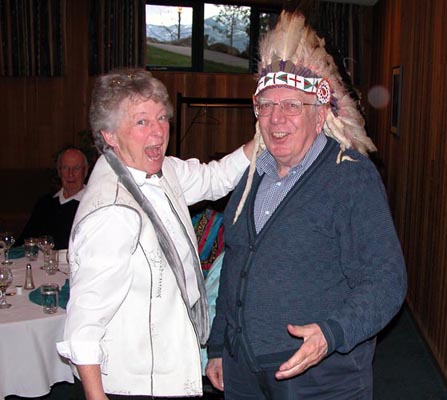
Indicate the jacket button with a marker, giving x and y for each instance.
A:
(238, 329)
(239, 303)
(252, 248)
(243, 274)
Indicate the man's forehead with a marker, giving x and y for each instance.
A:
(72, 157)
(285, 92)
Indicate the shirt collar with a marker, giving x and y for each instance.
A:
(266, 163)
(141, 177)
(63, 200)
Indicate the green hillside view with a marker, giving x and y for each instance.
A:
(161, 58)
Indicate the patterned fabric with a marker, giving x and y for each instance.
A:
(274, 79)
(208, 226)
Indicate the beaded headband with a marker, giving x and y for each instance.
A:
(319, 86)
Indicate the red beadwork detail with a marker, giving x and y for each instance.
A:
(324, 92)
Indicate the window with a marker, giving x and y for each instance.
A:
(226, 38)
(199, 36)
(168, 36)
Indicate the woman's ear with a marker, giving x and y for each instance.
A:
(110, 138)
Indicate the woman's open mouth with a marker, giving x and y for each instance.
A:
(154, 153)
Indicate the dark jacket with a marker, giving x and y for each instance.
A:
(329, 254)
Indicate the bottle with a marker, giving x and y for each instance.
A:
(29, 283)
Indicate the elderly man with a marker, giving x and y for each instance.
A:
(53, 214)
(313, 268)
(137, 308)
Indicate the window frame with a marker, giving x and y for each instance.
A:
(197, 51)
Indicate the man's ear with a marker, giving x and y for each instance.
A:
(110, 138)
(321, 117)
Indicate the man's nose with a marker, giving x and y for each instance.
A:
(71, 171)
(277, 113)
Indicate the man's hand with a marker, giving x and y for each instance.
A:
(311, 352)
(214, 372)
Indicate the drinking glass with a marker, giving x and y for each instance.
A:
(7, 240)
(31, 249)
(5, 281)
(50, 297)
(51, 261)
(45, 243)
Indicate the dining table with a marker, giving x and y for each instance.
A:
(29, 361)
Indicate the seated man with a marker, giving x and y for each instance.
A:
(53, 214)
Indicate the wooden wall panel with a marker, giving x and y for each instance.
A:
(41, 115)
(38, 116)
(415, 167)
(219, 130)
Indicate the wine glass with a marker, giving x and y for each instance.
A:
(5, 281)
(45, 243)
(7, 240)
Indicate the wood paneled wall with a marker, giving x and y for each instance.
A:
(415, 167)
(210, 131)
(38, 116)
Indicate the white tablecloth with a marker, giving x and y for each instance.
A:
(29, 362)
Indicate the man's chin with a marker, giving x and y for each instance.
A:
(73, 188)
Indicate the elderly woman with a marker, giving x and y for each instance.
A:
(137, 309)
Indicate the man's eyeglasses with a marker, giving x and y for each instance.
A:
(74, 170)
(291, 107)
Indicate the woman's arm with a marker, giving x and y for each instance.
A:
(91, 381)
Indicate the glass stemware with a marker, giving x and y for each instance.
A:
(45, 243)
(7, 240)
(5, 281)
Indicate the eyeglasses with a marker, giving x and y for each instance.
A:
(74, 170)
(291, 107)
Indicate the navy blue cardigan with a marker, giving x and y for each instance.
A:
(329, 255)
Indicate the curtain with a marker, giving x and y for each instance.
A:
(338, 24)
(32, 37)
(117, 35)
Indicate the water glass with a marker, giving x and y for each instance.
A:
(50, 297)
(5, 281)
(31, 249)
(51, 261)
(7, 240)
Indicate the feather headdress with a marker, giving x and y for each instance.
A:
(293, 55)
